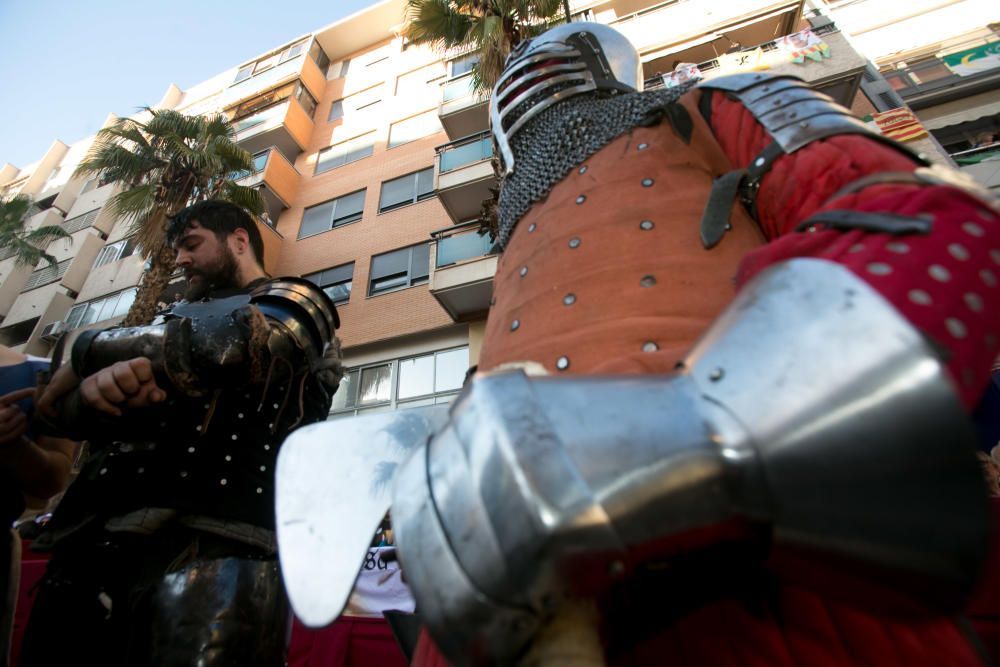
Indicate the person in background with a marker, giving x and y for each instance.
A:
(163, 548)
(33, 468)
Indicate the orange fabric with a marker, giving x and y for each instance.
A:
(631, 286)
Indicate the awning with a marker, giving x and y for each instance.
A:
(960, 111)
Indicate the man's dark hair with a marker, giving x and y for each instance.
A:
(220, 217)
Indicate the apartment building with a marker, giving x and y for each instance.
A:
(374, 158)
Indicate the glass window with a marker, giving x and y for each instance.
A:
(375, 386)
(345, 67)
(334, 213)
(345, 152)
(365, 100)
(426, 379)
(244, 73)
(304, 98)
(347, 390)
(75, 315)
(463, 65)
(416, 376)
(450, 369)
(336, 282)
(414, 128)
(336, 111)
(293, 51)
(418, 81)
(125, 302)
(266, 63)
(406, 190)
(398, 269)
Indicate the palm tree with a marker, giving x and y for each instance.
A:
(162, 165)
(491, 27)
(27, 246)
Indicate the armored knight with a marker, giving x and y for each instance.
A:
(163, 547)
(761, 326)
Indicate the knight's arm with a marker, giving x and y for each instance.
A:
(282, 329)
(811, 401)
(821, 184)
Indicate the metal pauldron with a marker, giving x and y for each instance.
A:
(850, 448)
(792, 112)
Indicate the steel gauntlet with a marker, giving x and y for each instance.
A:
(811, 408)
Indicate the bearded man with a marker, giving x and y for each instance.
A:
(163, 548)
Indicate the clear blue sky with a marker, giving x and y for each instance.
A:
(66, 64)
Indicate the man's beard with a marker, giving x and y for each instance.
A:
(223, 275)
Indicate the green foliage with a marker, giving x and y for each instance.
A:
(490, 27)
(27, 246)
(162, 164)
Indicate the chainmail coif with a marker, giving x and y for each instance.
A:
(548, 147)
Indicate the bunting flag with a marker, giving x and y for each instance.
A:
(899, 124)
(804, 44)
(974, 61)
(682, 74)
(743, 61)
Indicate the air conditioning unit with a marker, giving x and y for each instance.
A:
(51, 331)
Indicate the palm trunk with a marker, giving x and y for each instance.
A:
(161, 268)
(151, 287)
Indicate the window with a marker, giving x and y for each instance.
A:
(344, 152)
(336, 111)
(426, 379)
(334, 213)
(416, 127)
(336, 282)
(345, 67)
(245, 73)
(406, 190)
(265, 64)
(304, 98)
(419, 81)
(292, 51)
(399, 269)
(101, 309)
(115, 251)
(378, 61)
(319, 57)
(366, 100)
(463, 65)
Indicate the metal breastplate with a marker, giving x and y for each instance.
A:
(563, 136)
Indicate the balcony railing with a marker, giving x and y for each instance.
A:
(978, 154)
(461, 242)
(709, 65)
(932, 75)
(465, 151)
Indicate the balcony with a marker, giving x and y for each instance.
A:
(464, 175)
(285, 126)
(277, 180)
(462, 267)
(300, 67)
(674, 25)
(462, 112)
(931, 82)
(838, 76)
(981, 163)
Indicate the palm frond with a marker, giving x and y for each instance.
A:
(438, 22)
(249, 199)
(46, 234)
